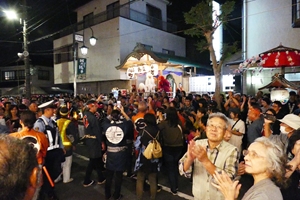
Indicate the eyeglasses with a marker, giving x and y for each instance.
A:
(252, 154)
(216, 126)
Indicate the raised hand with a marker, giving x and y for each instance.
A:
(230, 189)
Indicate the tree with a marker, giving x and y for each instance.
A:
(203, 27)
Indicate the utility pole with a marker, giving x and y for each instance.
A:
(74, 64)
(26, 54)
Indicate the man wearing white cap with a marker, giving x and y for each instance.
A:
(289, 124)
(55, 152)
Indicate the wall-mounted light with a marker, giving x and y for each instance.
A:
(84, 49)
(93, 40)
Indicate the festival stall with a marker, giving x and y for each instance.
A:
(150, 71)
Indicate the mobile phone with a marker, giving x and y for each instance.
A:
(118, 104)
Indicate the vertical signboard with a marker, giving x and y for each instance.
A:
(81, 68)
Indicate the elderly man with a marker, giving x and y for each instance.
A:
(207, 156)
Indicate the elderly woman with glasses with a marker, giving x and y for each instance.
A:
(266, 162)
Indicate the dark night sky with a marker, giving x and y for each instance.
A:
(44, 17)
(50, 16)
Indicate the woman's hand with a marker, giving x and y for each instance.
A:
(230, 189)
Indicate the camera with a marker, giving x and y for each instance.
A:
(269, 117)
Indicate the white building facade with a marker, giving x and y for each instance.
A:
(266, 25)
(118, 26)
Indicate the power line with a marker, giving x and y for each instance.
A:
(179, 31)
(7, 41)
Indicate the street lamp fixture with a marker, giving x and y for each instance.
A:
(84, 49)
(10, 14)
(93, 40)
(13, 15)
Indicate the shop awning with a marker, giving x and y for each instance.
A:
(185, 62)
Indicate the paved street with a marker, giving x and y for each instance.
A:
(76, 191)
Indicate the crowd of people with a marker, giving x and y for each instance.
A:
(246, 148)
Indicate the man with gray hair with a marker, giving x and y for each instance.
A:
(208, 156)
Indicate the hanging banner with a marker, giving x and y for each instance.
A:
(81, 68)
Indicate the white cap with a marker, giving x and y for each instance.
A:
(291, 120)
(48, 104)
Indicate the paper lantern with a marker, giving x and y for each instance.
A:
(281, 95)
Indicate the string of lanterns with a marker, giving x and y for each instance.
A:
(141, 69)
(270, 60)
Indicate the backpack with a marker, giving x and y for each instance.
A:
(153, 149)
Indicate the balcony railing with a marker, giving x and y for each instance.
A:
(122, 11)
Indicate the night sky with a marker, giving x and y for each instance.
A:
(44, 17)
(48, 16)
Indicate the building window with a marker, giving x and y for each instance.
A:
(148, 47)
(170, 52)
(154, 16)
(21, 74)
(88, 20)
(13, 75)
(43, 75)
(296, 13)
(8, 75)
(113, 10)
(64, 54)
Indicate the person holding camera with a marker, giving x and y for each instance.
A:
(231, 102)
(289, 124)
(118, 132)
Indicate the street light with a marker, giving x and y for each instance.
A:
(84, 51)
(10, 14)
(93, 40)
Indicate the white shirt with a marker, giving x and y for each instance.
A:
(236, 140)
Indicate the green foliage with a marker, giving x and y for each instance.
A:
(200, 17)
(202, 23)
(202, 45)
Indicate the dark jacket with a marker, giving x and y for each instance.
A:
(171, 136)
(117, 136)
(93, 135)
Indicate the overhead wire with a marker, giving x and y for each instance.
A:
(175, 32)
